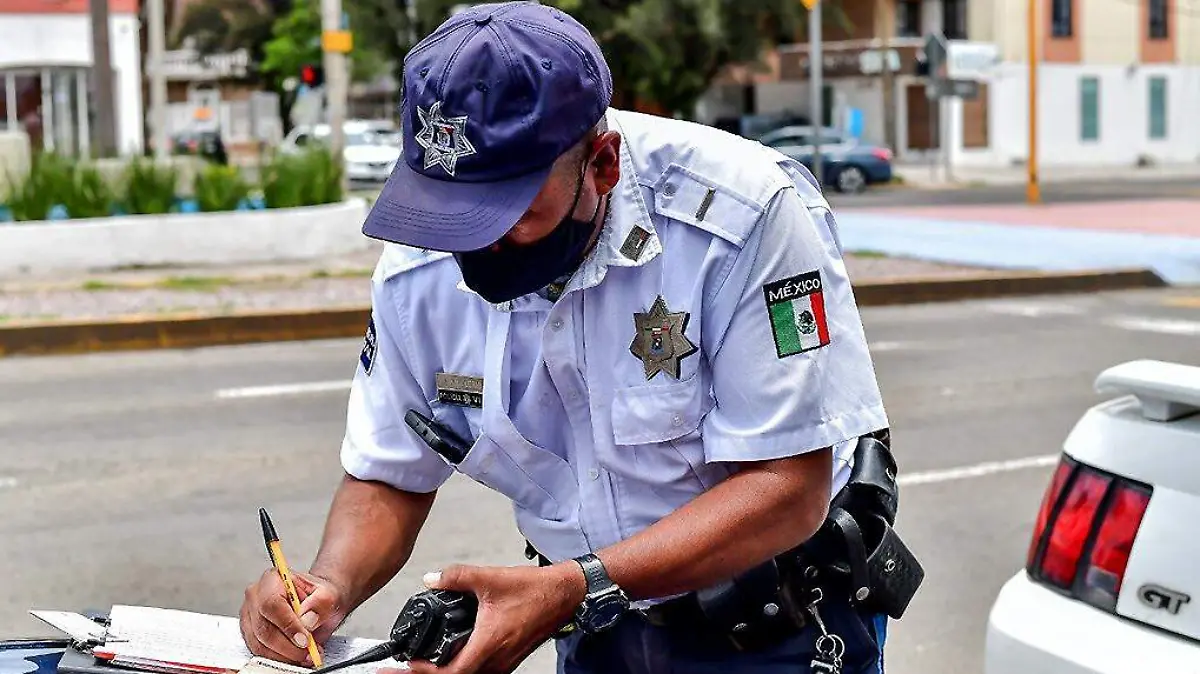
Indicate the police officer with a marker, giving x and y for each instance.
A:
(646, 330)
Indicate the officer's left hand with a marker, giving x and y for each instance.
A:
(519, 609)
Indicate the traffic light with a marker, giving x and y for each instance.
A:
(312, 75)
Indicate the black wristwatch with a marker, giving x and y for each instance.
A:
(605, 602)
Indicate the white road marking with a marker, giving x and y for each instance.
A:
(978, 470)
(1034, 310)
(1166, 326)
(284, 389)
(881, 346)
(6, 482)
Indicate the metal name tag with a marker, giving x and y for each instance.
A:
(460, 389)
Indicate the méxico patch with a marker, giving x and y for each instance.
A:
(459, 389)
(796, 307)
(370, 348)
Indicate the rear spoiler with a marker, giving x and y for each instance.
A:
(1166, 391)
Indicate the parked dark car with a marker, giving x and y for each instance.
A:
(847, 165)
(207, 144)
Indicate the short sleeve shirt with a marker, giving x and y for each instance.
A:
(713, 324)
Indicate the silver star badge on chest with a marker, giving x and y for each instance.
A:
(660, 341)
(444, 138)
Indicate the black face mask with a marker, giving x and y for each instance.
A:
(514, 271)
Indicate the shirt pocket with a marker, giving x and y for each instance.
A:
(657, 438)
(650, 413)
(538, 482)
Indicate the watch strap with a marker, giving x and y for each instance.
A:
(594, 572)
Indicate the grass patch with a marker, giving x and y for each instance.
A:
(195, 282)
(92, 286)
(868, 253)
(343, 273)
(5, 317)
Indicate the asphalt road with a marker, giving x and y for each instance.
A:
(1053, 192)
(134, 478)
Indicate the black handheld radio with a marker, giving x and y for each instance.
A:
(434, 625)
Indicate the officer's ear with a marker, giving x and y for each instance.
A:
(606, 161)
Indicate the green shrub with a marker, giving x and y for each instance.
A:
(149, 188)
(92, 197)
(53, 180)
(307, 178)
(220, 188)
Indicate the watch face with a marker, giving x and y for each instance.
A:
(605, 614)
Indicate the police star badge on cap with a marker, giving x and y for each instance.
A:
(660, 342)
(444, 138)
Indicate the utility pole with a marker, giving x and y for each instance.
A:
(1033, 194)
(816, 63)
(106, 145)
(158, 82)
(886, 15)
(336, 43)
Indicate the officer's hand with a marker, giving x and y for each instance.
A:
(519, 609)
(272, 629)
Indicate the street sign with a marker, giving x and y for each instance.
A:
(935, 50)
(964, 89)
(970, 60)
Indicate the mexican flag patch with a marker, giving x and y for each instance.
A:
(797, 309)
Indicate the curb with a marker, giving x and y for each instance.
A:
(982, 286)
(192, 331)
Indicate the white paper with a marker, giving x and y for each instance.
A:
(80, 627)
(197, 639)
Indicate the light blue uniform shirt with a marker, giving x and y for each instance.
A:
(759, 320)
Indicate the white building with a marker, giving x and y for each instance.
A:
(1119, 81)
(46, 86)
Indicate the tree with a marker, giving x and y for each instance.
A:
(665, 54)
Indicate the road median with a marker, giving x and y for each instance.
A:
(181, 331)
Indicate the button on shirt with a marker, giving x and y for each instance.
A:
(712, 324)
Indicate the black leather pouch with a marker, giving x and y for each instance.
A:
(883, 575)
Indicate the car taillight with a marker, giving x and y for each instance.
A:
(1084, 532)
(882, 153)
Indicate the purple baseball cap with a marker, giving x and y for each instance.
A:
(491, 99)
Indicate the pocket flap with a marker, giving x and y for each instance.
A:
(657, 412)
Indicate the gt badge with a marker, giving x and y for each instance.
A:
(660, 341)
(459, 389)
(796, 307)
(370, 347)
(1158, 597)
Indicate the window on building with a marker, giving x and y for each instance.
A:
(1089, 108)
(1159, 23)
(908, 18)
(5, 86)
(1062, 18)
(1158, 107)
(954, 19)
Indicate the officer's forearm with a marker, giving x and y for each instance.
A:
(369, 536)
(759, 512)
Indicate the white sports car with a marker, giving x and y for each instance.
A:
(1114, 563)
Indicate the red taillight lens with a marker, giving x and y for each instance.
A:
(1048, 503)
(1071, 528)
(1088, 520)
(1110, 552)
(882, 153)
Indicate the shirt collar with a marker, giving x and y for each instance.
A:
(627, 238)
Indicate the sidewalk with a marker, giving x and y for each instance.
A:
(922, 175)
(338, 283)
(1162, 235)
